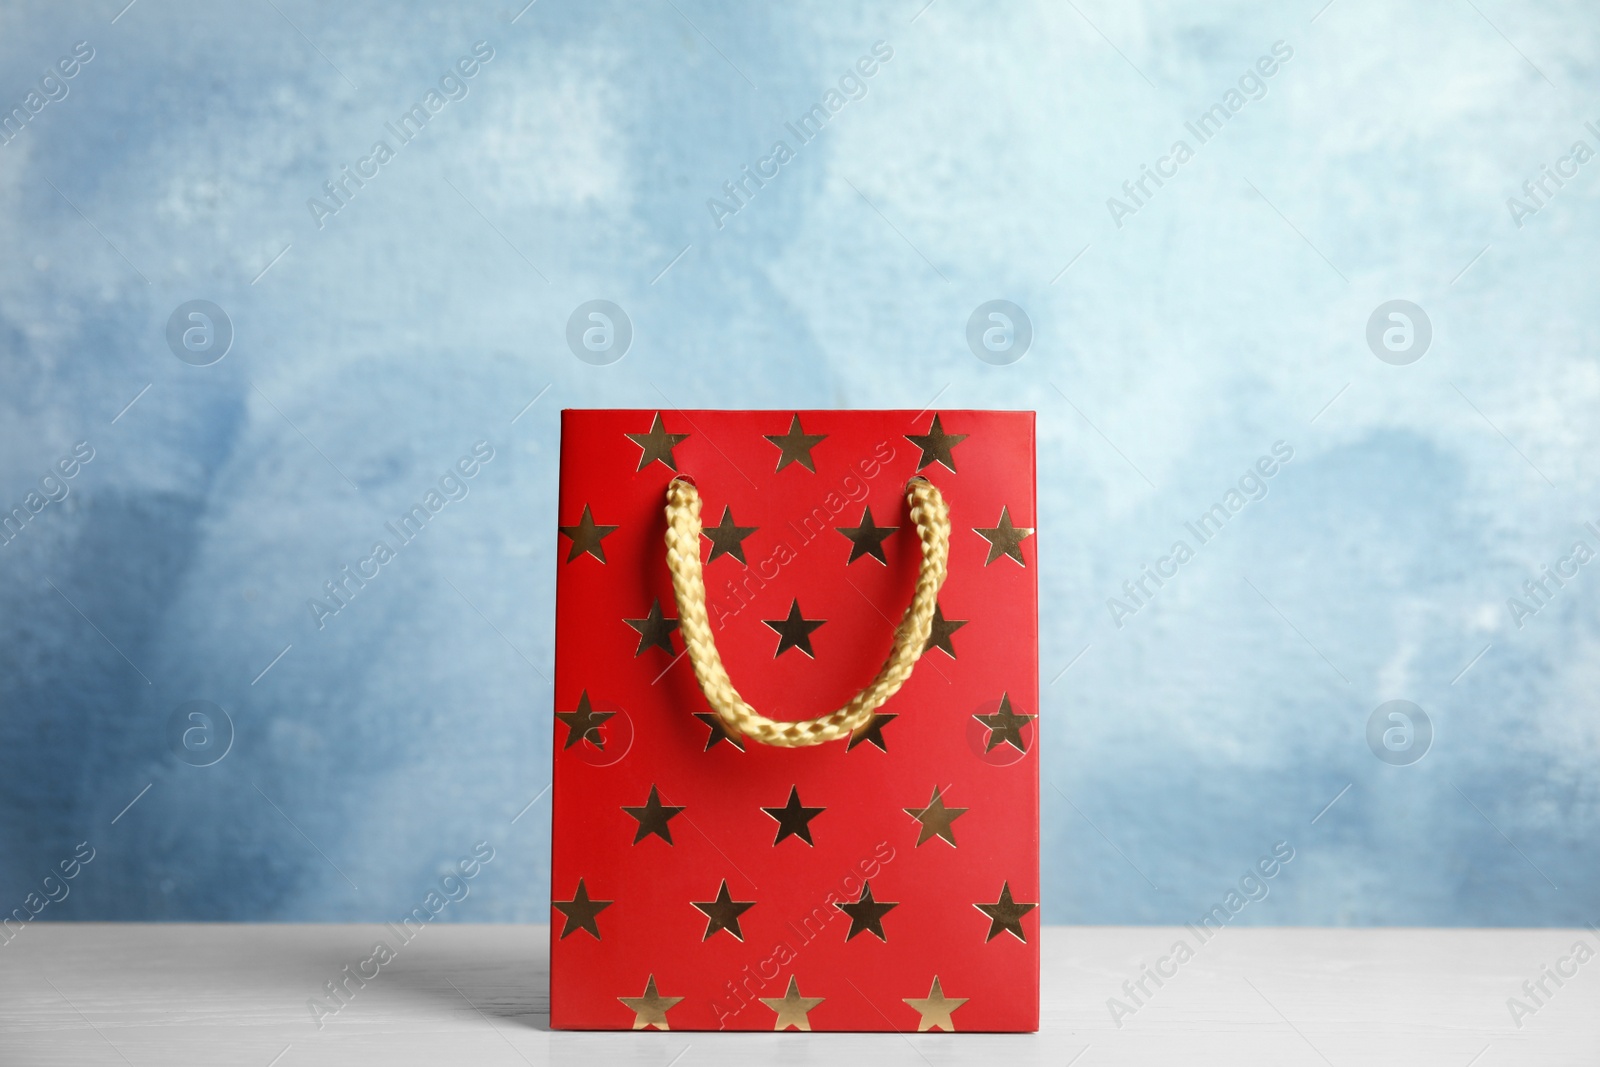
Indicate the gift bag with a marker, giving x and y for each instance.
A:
(796, 780)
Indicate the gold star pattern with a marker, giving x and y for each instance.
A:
(723, 913)
(939, 635)
(867, 913)
(1004, 538)
(935, 1008)
(1006, 726)
(794, 819)
(655, 630)
(657, 444)
(727, 539)
(584, 724)
(872, 731)
(792, 1008)
(586, 537)
(653, 817)
(1005, 915)
(937, 446)
(936, 819)
(794, 631)
(866, 539)
(719, 732)
(795, 447)
(649, 1009)
(581, 911)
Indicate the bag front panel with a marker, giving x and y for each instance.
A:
(656, 812)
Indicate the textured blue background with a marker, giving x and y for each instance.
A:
(1229, 312)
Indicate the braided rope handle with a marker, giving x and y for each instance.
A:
(932, 518)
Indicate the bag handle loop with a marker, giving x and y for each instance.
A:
(931, 516)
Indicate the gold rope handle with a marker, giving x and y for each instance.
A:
(932, 518)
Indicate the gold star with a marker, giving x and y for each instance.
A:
(792, 1007)
(728, 539)
(866, 539)
(584, 724)
(1005, 915)
(657, 444)
(936, 445)
(654, 629)
(723, 913)
(872, 731)
(939, 635)
(935, 1008)
(936, 818)
(1004, 539)
(581, 911)
(719, 732)
(866, 913)
(794, 819)
(653, 817)
(796, 445)
(586, 537)
(1006, 725)
(794, 631)
(651, 1008)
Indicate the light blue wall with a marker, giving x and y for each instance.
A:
(1226, 312)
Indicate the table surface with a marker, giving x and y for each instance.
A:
(95, 993)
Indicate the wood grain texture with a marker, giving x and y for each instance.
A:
(219, 995)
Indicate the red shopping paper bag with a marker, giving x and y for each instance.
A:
(796, 778)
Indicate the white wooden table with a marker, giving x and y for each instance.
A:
(195, 994)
